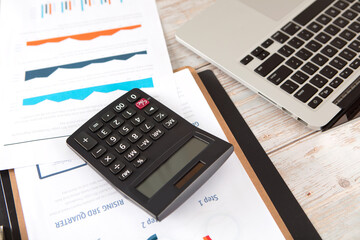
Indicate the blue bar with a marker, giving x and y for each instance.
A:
(62, 6)
(42, 10)
(81, 94)
(82, 5)
(101, 1)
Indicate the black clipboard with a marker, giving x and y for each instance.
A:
(286, 211)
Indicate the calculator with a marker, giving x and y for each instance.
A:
(149, 153)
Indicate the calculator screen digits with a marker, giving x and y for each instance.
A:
(171, 167)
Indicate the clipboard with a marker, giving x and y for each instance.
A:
(284, 208)
(286, 211)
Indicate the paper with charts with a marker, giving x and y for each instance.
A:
(62, 61)
(69, 200)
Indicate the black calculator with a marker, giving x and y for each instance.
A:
(149, 153)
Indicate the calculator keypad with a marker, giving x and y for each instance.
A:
(120, 137)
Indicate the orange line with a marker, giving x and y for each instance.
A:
(50, 8)
(69, 5)
(83, 36)
(89, 2)
(109, 1)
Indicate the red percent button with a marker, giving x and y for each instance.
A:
(142, 103)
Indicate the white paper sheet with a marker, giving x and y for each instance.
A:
(62, 61)
(68, 200)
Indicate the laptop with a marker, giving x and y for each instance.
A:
(301, 55)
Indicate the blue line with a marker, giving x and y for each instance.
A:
(81, 94)
(101, 1)
(46, 72)
(56, 173)
(62, 6)
(82, 5)
(42, 10)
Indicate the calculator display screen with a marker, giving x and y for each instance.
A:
(171, 167)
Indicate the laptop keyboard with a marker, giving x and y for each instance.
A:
(319, 49)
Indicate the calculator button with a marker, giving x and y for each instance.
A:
(125, 174)
(160, 116)
(134, 136)
(133, 97)
(156, 134)
(147, 126)
(85, 141)
(120, 107)
(112, 139)
(144, 144)
(115, 123)
(137, 120)
(128, 113)
(107, 159)
(142, 103)
(125, 129)
(98, 151)
(96, 125)
(139, 161)
(169, 123)
(122, 146)
(108, 116)
(104, 132)
(151, 109)
(117, 167)
(131, 154)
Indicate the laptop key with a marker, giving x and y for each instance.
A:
(349, 14)
(347, 54)
(296, 42)
(246, 59)
(257, 51)
(263, 55)
(328, 72)
(341, 22)
(348, 35)
(341, 5)
(305, 34)
(333, 12)
(314, 26)
(291, 28)
(305, 93)
(299, 77)
(319, 59)
(310, 68)
(332, 30)
(280, 37)
(336, 82)
(279, 75)
(313, 46)
(323, 19)
(338, 43)
(270, 64)
(338, 63)
(355, 26)
(356, 7)
(346, 73)
(329, 51)
(323, 37)
(304, 54)
(325, 92)
(315, 102)
(312, 11)
(267, 43)
(286, 51)
(355, 45)
(294, 62)
(319, 81)
(355, 64)
(289, 86)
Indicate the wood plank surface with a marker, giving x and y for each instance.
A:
(322, 169)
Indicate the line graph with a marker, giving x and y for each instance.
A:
(81, 94)
(82, 36)
(46, 72)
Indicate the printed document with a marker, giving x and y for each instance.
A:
(69, 200)
(63, 61)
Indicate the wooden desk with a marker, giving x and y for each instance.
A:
(321, 169)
